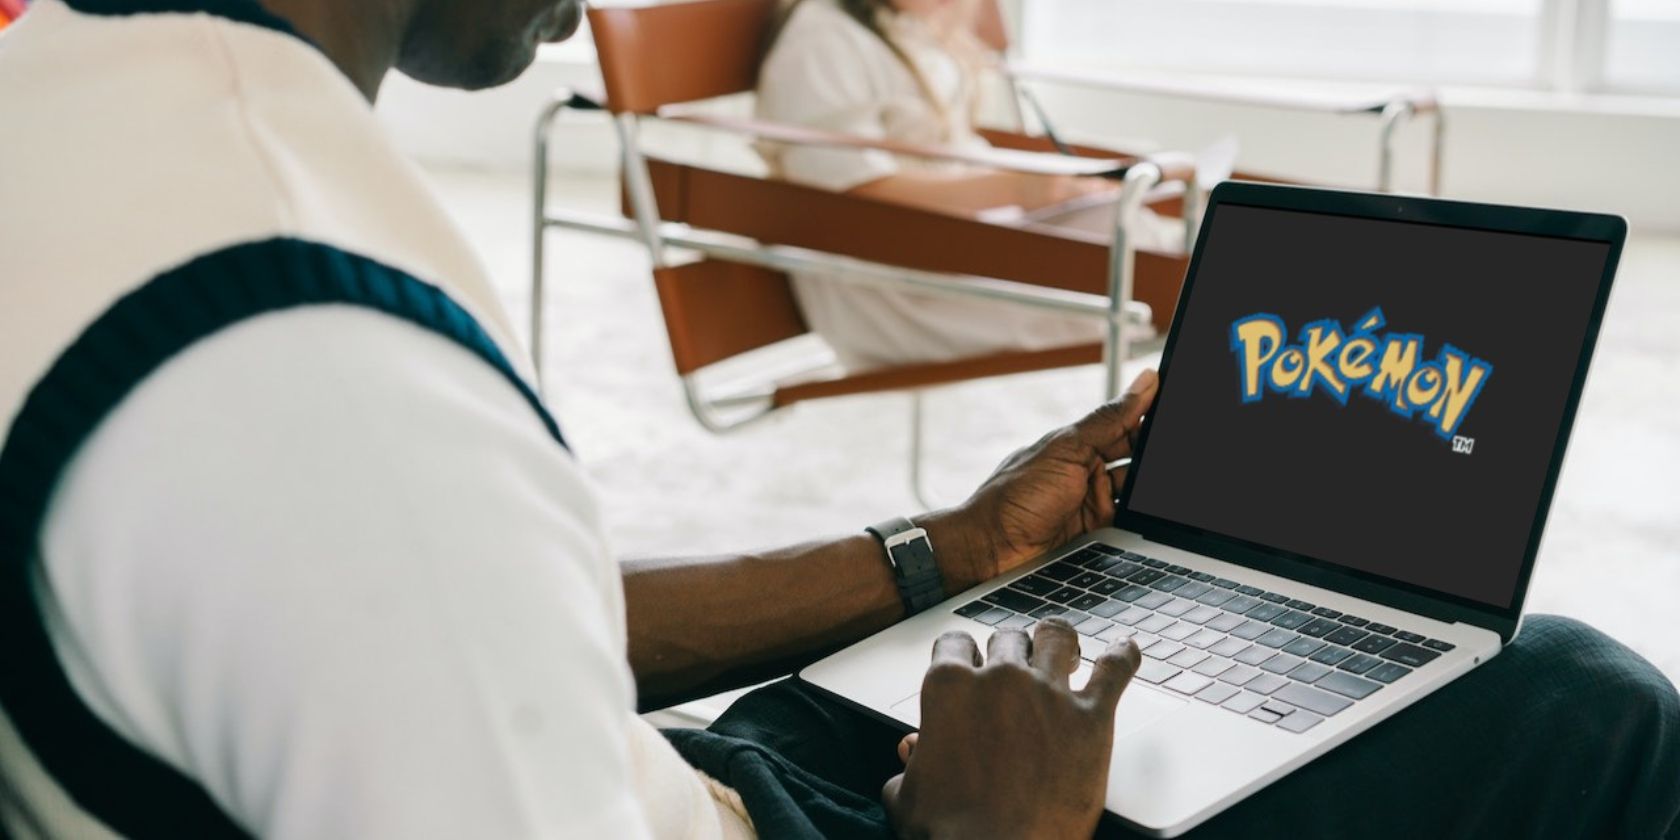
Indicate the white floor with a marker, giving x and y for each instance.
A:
(1611, 554)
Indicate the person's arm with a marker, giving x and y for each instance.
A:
(968, 191)
(704, 624)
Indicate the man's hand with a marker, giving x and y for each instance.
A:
(1043, 495)
(1007, 749)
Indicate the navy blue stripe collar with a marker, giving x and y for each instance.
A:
(243, 11)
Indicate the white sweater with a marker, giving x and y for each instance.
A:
(326, 563)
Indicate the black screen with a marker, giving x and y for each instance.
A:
(1443, 499)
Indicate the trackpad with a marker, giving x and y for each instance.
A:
(1139, 706)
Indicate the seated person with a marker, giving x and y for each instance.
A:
(294, 550)
(907, 70)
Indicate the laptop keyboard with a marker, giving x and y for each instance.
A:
(1281, 661)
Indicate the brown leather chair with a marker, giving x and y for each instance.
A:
(736, 298)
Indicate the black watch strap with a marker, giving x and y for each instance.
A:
(910, 554)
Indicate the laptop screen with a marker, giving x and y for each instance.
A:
(1379, 395)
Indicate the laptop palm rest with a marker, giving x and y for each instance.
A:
(1139, 707)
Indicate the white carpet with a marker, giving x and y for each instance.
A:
(1611, 554)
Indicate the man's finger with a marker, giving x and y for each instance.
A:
(1111, 429)
(1055, 648)
(958, 647)
(1008, 646)
(906, 747)
(1111, 674)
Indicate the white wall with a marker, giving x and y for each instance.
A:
(1605, 154)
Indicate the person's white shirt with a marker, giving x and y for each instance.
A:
(827, 71)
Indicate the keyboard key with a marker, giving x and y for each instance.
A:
(1239, 674)
(1384, 629)
(1131, 593)
(1037, 585)
(1372, 644)
(1297, 604)
(1217, 693)
(1153, 600)
(1180, 631)
(1282, 663)
(1193, 589)
(1308, 672)
(1265, 612)
(1176, 607)
(1354, 620)
(1437, 644)
(1276, 638)
(1331, 655)
(1133, 615)
(1359, 663)
(1087, 580)
(1303, 646)
(1201, 577)
(1121, 569)
(1250, 590)
(1086, 601)
(1092, 626)
(972, 609)
(1244, 703)
(1228, 647)
(1326, 612)
(1203, 639)
(1224, 583)
(1178, 570)
(1274, 597)
(1387, 672)
(1115, 632)
(1014, 622)
(1145, 640)
(1154, 624)
(1408, 637)
(1064, 595)
(1104, 548)
(1187, 658)
(1108, 609)
(1188, 683)
(1164, 649)
(1407, 654)
(1253, 655)
(1318, 628)
(1155, 671)
(1109, 586)
(1048, 611)
(1265, 715)
(1347, 685)
(1291, 620)
(1013, 601)
(1225, 622)
(1091, 647)
(1252, 630)
(1241, 604)
(1311, 699)
(1168, 584)
(1146, 576)
(1061, 570)
(1299, 722)
(1345, 636)
(1201, 614)
(1216, 597)
(1266, 683)
(1213, 666)
(993, 615)
(1147, 561)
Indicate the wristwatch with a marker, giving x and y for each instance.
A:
(911, 556)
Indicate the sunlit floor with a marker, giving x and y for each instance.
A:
(1611, 555)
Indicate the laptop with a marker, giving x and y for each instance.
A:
(1335, 505)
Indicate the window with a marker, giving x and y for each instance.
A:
(1642, 51)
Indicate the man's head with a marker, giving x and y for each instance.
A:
(475, 44)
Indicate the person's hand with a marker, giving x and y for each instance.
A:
(1006, 748)
(1038, 191)
(1041, 496)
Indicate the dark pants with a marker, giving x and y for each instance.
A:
(1566, 733)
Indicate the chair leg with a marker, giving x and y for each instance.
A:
(918, 450)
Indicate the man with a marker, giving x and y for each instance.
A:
(292, 549)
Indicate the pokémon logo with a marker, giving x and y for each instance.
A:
(1388, 368)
